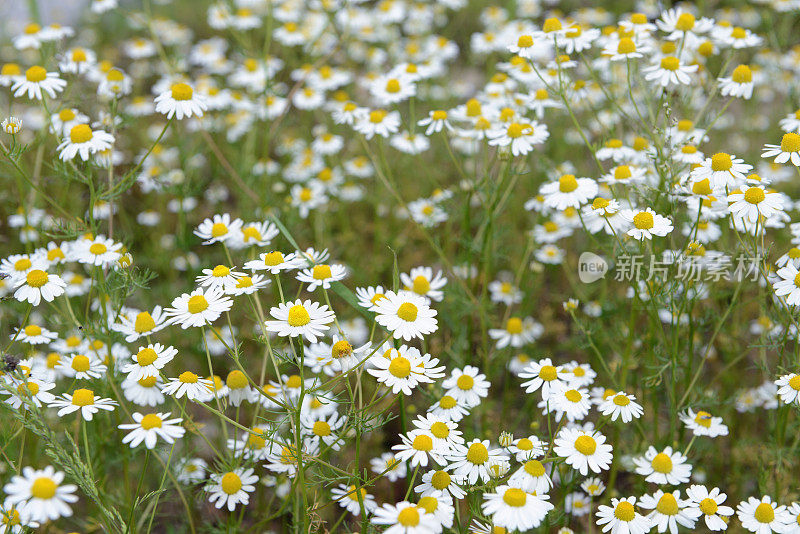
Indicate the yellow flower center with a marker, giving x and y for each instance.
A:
(83, 397)
(321, 272)
(408, 517)
(36, 278)
(298, 316)
(422, 443)
(573, 395)
(662, 463)
(144, 323)
(621, 400)
(742, 74)
(236, 379)
(231, 483)
(35, 74)
(515, 497)
(66, 115)
(670, 63)
(32, 329)
(271, 259)
(218, 230)
(465, 382)
(293, 382)
(146, 357)
(708, 506)
(182, 91)
(220, 271)
(440, 430)
(429, 504)
(80, 363)
(28, 388)
(43, 488)
(439, 115)
(623, 172)
(97, 249)
(643, 220)
(551, 24)
(376, 116)
(614, 143)
(685, 22)
(525, 41)
(667, 504)
(548, 373)
(400, 367)
(447, 402)
(421, 286)
(10, 69)
(151, 420)
(477, 454)
(254, 439)
(626, 46)
(534, 468)
(407, 312)
(197, 304)
(794, 382)
(790, 142)
(321, 428)
(393, 86)
(514, 325)
(440, 480)
(80, 133)
(567, 183)
(188, 377)
(585, 445)
(721, 162)
(624, 511)
(341, 349)
(765, 513)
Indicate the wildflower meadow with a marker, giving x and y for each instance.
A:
(401, 266)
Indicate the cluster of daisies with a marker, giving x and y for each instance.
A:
(252, 383)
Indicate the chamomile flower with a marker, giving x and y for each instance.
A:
(788, 150)
(189, 384)
(704, 424)
(348, 498)
(710, 505)
(568, 191)
(180, 101)
(723, 170)
(531, 477)
(583, 450)
(621, 406)
(787, 284)
(569, 401)
(424, 282)
(391, 468)
(515, 509)
(37, 285)
(39, 495)
(148, 361)
(32, 390)
(665, 467)
(83, 401)
(404, 368)
(669, 71)
(82, 366)
(83, 141)
(143, 392)
(322, 275)
(471, 461)
(467, 386)
(518, 331)
(405, 518)
(37, 81)
(141, 324)
(739, 84)
(220, 228)
(150, 427)
(435, 121)
(440, 481)
(669, 511)
(762, 516)
(198, 308)
(221, 277)
(754, 202)
(377, 122)
(789, 388)
(274, 262)
(405, 314)
(324, 430)
(232, 488)
(520, 138)
(543, 375)
(646, 223)
(622, 518)
(417, 447)
(99, 251)
(300, 318)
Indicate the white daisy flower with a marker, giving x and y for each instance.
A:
(149, 361)
(621, 405)
(198, 308)
(622, 518)
(322, 275)
(150, 427)
(348, 498)
(568, 191)
(467, 386)
(762, 516)
(191, 385)
(36, 81)
(219, 228)
(583, 450)
(231, 488)
(82, 140)
(180, 101)
(274, 262)
(39, 495)
(37, 285)
(405, 518)
(789, 149)
(300, 318)
(471, 461)
(666, 467)
(709, 503)
(669, 511)
(83, 401)
(404, 368)
(515, 509)
(405, 314)
(704, 424)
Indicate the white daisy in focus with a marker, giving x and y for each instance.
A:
(405, 314)
(180, 101)
(300, 318)
(231, 488)
(150, 427)
(84, 141)
(39, 495)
